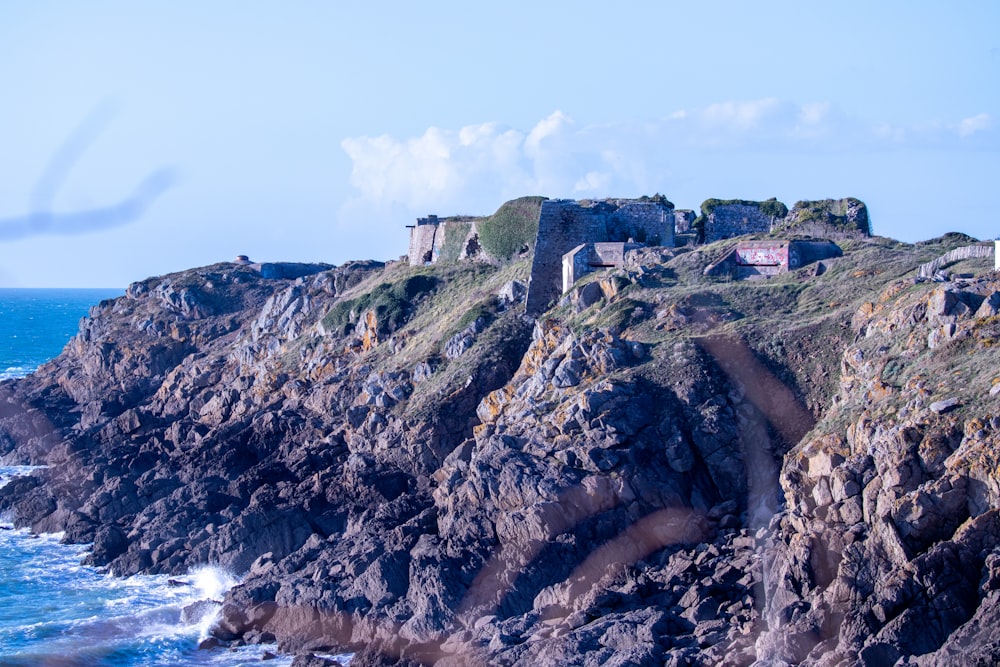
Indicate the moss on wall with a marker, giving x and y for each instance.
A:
(511, 229)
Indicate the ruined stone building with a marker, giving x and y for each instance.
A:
(577, 237)
(434, 239)
(728, 220)
(565, 224)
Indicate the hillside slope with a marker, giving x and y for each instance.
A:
(663, 469)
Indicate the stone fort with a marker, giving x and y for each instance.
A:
(576, 237)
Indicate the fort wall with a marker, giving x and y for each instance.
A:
(564, 224)
(422, 240)
(729, 220)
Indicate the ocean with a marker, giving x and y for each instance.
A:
(55, 612)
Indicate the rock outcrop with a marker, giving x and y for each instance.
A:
(682, 471)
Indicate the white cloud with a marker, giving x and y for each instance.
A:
(592, 183)
(969, 126)
(475, 168)
(554, 124)
(740, 116)
(434, 167)
(813, 114)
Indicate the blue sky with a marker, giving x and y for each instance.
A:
(140, 138)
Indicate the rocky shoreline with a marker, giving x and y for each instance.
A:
(683, 471)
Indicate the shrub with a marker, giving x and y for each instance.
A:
(658, 199)
(392, 303)
(771, 207)
(833, 214)
(774, 208)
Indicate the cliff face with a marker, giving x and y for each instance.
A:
(797, 470)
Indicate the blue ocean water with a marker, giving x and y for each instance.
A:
(55, 612)
(35, 324)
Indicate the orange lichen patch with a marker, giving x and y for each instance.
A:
(538, 353)
(864, 313)
(892, 290)
(673, 317)
(369, 340)
(879, 391)
(491, 406)
(974, 428)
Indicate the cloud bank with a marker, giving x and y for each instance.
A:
(457, 170)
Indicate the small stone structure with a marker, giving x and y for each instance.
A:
(564, 224)
(422, 240)
(589, 257)
(750, 259)
(427, 239)
(282, 270)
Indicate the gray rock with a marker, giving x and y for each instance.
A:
(940, 407)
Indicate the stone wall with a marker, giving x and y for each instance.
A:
(965, 252)
(433, 240)
(589, 257)
(564, 224)
(825, 216)
(683, 218)
(729, 220)
(422, 241)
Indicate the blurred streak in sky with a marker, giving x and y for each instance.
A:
(41, 219)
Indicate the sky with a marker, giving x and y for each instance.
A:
(142, 138)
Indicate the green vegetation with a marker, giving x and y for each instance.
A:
(463, 292)
(795, 324)
(485, 308)
(768, 207)
(657, 198)
(391, 302)
(773, 208)
(831, 214)
(455, 232)
(511, 229)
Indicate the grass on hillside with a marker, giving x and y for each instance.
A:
(797, 324)
(511, 229)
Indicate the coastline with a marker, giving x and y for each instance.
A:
(404, 465)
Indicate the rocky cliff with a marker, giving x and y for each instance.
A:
(679, 471)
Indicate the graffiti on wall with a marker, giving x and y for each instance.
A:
(768, 256)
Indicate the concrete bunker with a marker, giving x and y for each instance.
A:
(755, 259)
(589, 257)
